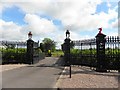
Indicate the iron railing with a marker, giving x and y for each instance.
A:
(85, 53)
(16, 52)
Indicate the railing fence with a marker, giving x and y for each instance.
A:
(90, 52)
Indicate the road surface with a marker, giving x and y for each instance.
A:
(41, 75)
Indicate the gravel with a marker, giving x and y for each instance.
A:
(84, 77)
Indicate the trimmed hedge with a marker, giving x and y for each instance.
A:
(88, 57)
(13, 55)
(19, 55)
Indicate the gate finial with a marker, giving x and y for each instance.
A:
(100, 30)
(67, 34)
(30, 35)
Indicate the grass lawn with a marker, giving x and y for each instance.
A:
(57, 53)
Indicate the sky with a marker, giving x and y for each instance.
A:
(51, 19)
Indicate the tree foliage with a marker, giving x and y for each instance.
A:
(47, 44)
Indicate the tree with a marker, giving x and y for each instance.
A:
(42, 47)
(48, 44)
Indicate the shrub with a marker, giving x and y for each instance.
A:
(13, 55)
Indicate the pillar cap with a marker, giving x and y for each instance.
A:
(100, 34)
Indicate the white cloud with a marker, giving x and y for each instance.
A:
(39, 26)
(113, 33)
(75, 15)
(11, 31)
(4, 5)
(115, 24)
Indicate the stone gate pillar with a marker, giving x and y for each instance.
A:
(100, 44)
(30, 44)
(67, 51)
(67, 56)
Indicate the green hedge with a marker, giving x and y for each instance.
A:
(83, 57)
(19, 55)
(13, 55)
(88, 57)
(93, 51)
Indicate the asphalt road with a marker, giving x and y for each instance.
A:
(41, 75)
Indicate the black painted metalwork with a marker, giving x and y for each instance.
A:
(13, 51)
(20, 52)
(66, 50)
(84, 53)
(102, 52)
(112, 52)
(101, 61)
(30, 52)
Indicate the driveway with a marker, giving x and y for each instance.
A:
(41, 75)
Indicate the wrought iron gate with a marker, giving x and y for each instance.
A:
(101, 52)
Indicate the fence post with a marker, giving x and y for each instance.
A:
(30, 44)
(101, 61)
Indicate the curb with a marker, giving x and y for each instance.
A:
(58, 79)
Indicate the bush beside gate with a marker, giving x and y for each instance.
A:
(13, 55)
(18, 53)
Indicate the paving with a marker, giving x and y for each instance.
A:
(84, 77)
(40, 75)
(11, 66)
(47, 74)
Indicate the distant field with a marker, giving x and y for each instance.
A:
(57, 53)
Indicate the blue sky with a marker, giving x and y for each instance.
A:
(13, 14)
(25, 16)
(102, 7)
(16, 15)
